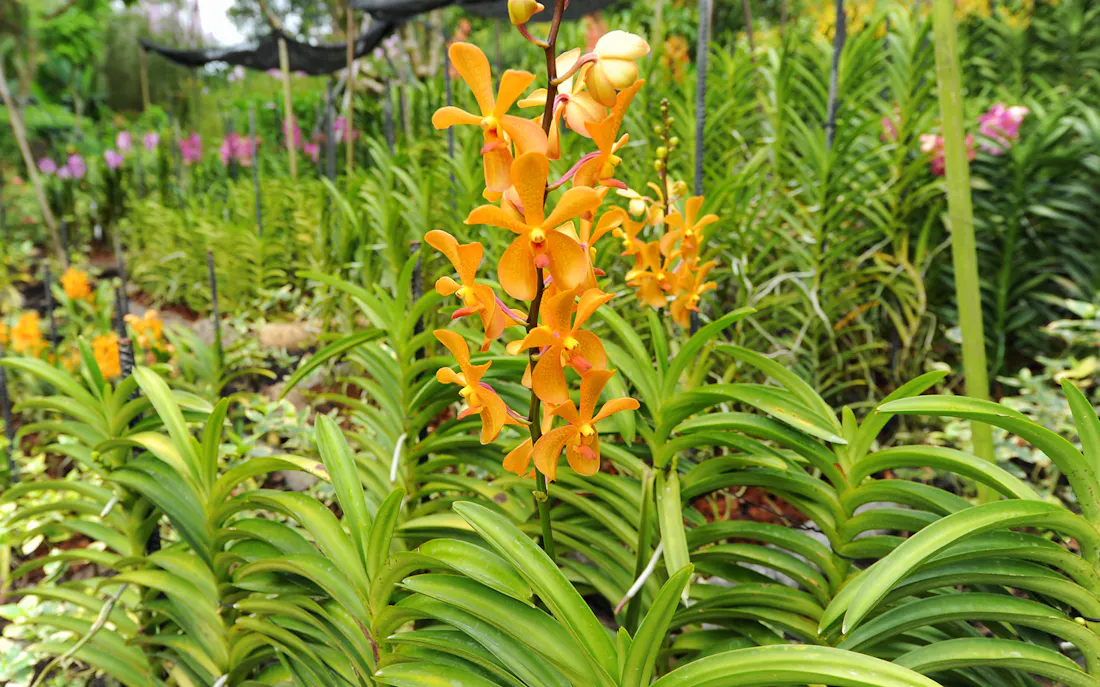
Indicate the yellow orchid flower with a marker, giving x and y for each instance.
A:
(573, 105)
(499, 128)
(539, 244)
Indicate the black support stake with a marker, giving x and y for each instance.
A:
(47, 280)
(9, 425)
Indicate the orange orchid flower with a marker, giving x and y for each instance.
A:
(653, 274)
(579, 438)
(599, 168)
(693, 285)
(518, 459)
(76, 285)
(480, 397)
(477, 298)
(572, 104)
(539, 244)
(498, 127)
(627, 232)
(563, 343)
(26, 335)
(688, 228)
(590, 232)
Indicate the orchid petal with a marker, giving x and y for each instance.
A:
(512, 85)
(548, 448)
(568, 263)
(516, 271)
(592, 385)
(495, 216)
(446, 117)
(472, 65)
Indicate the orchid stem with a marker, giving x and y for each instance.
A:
(583, 60)
(542, 497)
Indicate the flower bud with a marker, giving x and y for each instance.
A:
(658, 129)
(674, 141)
(679, 188)
(521, 11)
(659, 165)
(662, 153)
(615, 68)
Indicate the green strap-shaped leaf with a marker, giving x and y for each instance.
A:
(563, 600)
(163, 448)
(57, 378)
(777, 535)
(158, 393)
(102, 659)
(317, 569)
(974, 606)
(421, 674)
(792, 382)
(510, 651)
(1088, 425)
(670, 518)
(338, 460)
(954, 654)
(326, 354)
(1069, 460)
(792, 664)
(320, 523)
(690, 350)
(211, 441)
(536, 629)
(163, 486)
(642, 657)
(381, 532)
(1006, 572)
(480, 564)
(865, 593)
(946, 459)
(874, 422)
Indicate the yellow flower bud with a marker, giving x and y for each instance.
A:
(615, 68)
(521, 11)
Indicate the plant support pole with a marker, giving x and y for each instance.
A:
(701, 55)
(961, 224)
(144, 60)
(840, 35)
(9, 426)
(48, 283)
(350, 111)
(288, 109)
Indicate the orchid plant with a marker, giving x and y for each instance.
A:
(549, 265)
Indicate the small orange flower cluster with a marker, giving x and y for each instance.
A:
(675, 57)
(549, 263)
(148, 329)
(76, 284)
(105, 350)
(669, 266)
(26, 335)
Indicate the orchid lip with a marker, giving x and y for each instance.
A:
(508, 311)
(573, 170)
